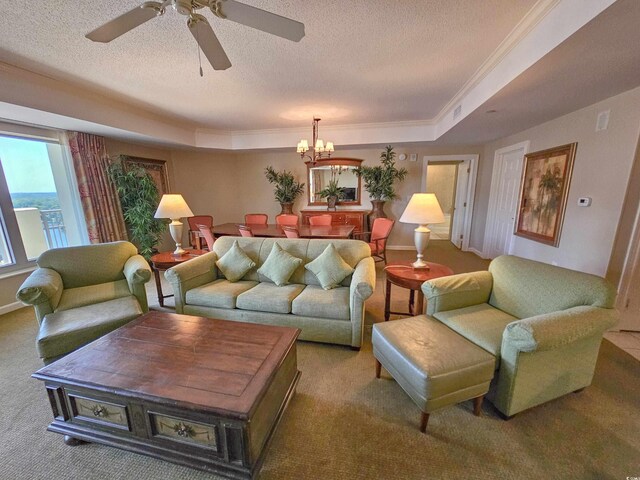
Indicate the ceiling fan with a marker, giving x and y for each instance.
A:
(200, 27)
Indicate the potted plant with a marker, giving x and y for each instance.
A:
(332, 192)
(287, 188)
(379, 180)
(139, 199)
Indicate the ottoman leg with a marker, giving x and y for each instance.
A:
(477, 405)
(378, 367)
(424, 419)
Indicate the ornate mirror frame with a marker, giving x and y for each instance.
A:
(333, 162)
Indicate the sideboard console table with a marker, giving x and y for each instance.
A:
(357, 218)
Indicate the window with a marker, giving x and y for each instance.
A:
(39, 204)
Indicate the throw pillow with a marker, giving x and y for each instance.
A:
(235, 263)
(279, 265)
(329, 268)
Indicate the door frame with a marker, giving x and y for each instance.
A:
(631, 263)
(496, 177)
(471, 187)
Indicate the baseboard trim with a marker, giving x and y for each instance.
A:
(477, 252)
(10, 307)
(401, 247)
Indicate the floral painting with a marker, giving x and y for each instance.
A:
(543, 193)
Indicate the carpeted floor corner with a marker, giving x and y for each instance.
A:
(345, 424)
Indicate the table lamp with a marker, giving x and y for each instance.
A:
(173, 206)
(423, 209)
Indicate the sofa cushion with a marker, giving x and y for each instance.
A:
(482, 324)
(65, 331)
(219, 293)
(329, 268)
(314, 301)
(267, 297)
(235, 263)
(81, 296)
(279, 266)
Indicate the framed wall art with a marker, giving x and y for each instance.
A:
(543, 193)
(156, 168)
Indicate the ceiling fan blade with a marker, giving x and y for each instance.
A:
(128, 21)
(209, 43)
(261, 19)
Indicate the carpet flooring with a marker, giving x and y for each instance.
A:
(345, 424)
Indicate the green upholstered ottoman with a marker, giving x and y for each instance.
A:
(432, 363)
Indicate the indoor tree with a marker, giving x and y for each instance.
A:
(287, 188)
(139, 198)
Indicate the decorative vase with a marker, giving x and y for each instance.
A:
(331, 202)
(376, 212)
(287, 207)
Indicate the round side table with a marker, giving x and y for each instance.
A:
(402, 274)
(166, 260)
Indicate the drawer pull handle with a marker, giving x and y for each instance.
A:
(185, 431)
(100, 411)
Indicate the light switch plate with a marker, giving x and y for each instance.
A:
(413, 157)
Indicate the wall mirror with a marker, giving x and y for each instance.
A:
(323, 171)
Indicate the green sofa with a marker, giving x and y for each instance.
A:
(543, 323)
(330, 316)
(82, 293)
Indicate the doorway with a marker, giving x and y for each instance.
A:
(452, 179)
(503, 199)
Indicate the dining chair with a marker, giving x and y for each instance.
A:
(194, 232)
(208, 236)
(290, 232)
(256, 218)
(378, 236)
(245, 231)
(320, 220)
(287, 219)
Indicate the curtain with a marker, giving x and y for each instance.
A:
(99, 198)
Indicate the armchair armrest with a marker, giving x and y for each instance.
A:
(42, 289)
(457, 291)
(138, 272)
(363, 283)
(556, 329)
(191, 274)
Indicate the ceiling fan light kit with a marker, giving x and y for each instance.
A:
(199, 26)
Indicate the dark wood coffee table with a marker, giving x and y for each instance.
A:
(404, 275)
(195, 391)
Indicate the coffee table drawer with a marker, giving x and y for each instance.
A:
(183, 430)
(98, 411)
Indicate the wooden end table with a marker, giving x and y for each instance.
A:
(164, 261)
(403, 275)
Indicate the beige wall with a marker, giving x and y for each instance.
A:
(441, 180)
(601, 171)
(9, 286)
(257, 194)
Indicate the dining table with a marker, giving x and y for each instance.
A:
(273, 230)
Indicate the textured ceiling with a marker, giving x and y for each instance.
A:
(361, 61)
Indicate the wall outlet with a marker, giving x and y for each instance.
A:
(584, 202)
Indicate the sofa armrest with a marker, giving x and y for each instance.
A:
(457, 291)
(557, 329)
(138, 272)
(363, 283)
(42, 289)
(190, 274)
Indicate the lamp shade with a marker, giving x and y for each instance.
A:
(172, 205)
(423, 209)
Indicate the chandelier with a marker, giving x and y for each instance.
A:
(319, 148)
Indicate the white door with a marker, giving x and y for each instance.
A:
(460, 205)
(630, 307)
(503, 204)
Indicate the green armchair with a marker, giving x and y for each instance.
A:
(544, 324)
(82, 293)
